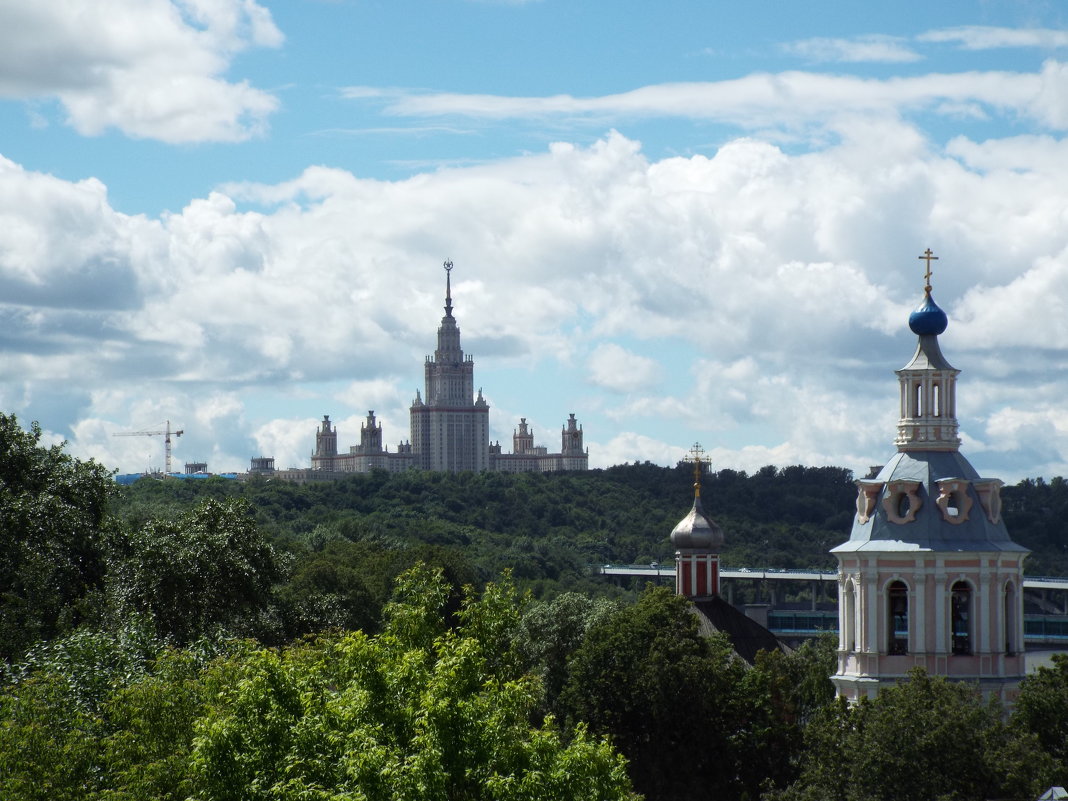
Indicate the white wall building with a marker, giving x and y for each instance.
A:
(929, 576)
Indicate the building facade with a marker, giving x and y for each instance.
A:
(368, 455)
(698, 541)
(526, 457)
(929, 576)
(449, 426)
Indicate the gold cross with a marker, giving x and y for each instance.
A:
(928, 257)
(696, 451)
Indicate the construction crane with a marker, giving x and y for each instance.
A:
(166, 433)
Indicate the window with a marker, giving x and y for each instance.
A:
(902, 501)
(897, 605)
(903, 506)
(1010, 619)
(849, 625)
(960, 618)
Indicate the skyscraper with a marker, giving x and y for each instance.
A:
(450, 428)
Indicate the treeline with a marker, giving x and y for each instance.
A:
(546, 528)
(420, 636)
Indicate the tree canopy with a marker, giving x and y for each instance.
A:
(54, 522)
(422, 710)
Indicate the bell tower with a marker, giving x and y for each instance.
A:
(929, 576)
(697, 540)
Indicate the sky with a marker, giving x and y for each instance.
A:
(680, 221)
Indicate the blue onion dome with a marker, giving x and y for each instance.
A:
(928, 319)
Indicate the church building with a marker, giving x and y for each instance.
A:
(698, 541)
(449, 426)
(929, 576)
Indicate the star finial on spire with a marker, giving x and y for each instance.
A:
(448, 287)
(695, 456)
(928, 256)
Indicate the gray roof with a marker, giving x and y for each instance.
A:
(928, 356)
(697, 531)
(929, 531)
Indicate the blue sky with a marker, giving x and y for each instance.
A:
(680, 221)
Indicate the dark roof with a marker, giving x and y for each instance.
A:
(746, 635)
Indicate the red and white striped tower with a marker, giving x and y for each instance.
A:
(697, 540)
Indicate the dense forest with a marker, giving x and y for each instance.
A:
(432, 636)
(548, 528)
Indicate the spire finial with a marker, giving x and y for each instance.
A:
(928, 257)
(695, 456)
(448, 287)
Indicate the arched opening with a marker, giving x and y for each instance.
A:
(897, 625)
(960, 618)
(903, 505)
(1011, 632)
(849, 622)
(917, 400)
(936, 399)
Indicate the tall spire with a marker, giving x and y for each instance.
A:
(448, 350)
(448, 287)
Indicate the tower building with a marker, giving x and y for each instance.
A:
(450, 429)
(449, 426)
(929, 576)
(698, 540)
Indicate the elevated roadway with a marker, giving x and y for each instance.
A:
(1046, 593)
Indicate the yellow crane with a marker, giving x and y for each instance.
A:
(166, 433)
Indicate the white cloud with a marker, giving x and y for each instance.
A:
(873, 48)
(149, 68)
(771, 291)
(774, 100)
(628, 446)
(289, 441)
(982, 37)
(1042, 155)
(620, 370)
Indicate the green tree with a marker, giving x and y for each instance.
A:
(926, 738)
(105, 714)
(53, 526)
(48, 744)
(420, 711)
(551, 631)
(667, 696)
(1042, 710)
(781, 693)
(208, 567)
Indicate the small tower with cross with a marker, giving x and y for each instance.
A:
(697, 540)
(929, 576)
